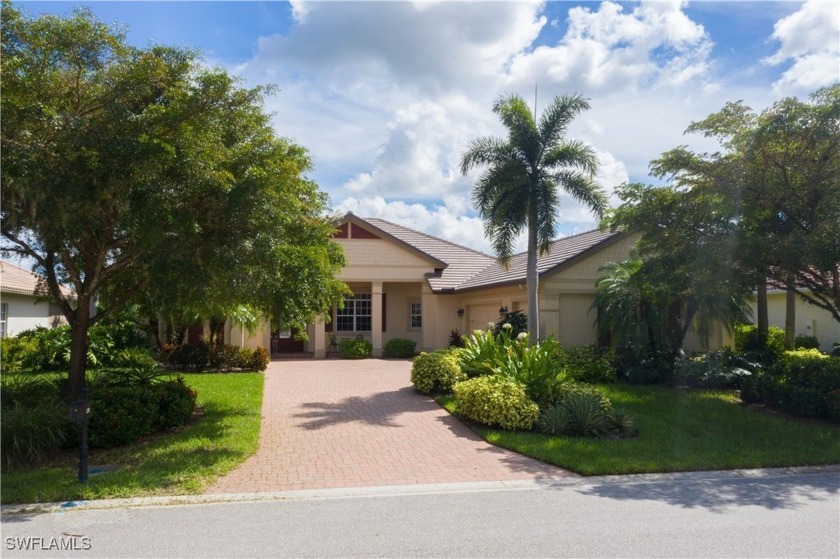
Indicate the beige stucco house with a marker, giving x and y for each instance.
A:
(810, 319)
(408, 284)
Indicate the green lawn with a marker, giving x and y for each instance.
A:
(680, 430)
(181, 462)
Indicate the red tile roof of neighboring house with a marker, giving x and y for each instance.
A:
(14, 279)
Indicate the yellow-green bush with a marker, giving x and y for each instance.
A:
(494, 400)
(436, 372)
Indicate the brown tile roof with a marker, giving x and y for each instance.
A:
(14, 279)
(460, 263)
(563, 252)
(465, 268)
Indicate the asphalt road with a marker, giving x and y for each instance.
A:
(742, 514)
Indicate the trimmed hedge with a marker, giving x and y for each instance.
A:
(753, 346)
(436, 372)
(801, 382)
(355, 349)
(204, 357)
(399, 347)
(589, 364)
(496, 401)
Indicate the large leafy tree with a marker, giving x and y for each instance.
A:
(524, 178)
(137, 174)
(780, 171)
(681, 275)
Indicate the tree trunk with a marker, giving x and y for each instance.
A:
(162, 328)
(790, 313)
(78, 349)
(761, 309)
(532, 282)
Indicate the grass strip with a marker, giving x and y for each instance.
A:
(183, 461)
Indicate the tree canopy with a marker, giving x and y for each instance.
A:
(525, 174)
(140, 173)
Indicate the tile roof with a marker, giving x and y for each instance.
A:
(470, 269)
(14, 279)
(462, 263)
(563, 251)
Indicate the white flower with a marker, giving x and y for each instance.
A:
(491, 325)
(507, 326)
(522, 336)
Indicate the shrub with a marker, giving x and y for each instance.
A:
(260, 359)
(517, 321)
(436, 372)
(399, 347)
(456, 339)
(204, 357)
(355, 349)
(480, 350)
(756, 347)
(30, 433)
(33, 419)
(492, 400)
(803, 341)
(17, 354)
(176, 404)
(801, 382)
(589, 364)
(718, 369)
(537, 368)
(121, 415)
(582, 410)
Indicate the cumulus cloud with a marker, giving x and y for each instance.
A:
(810, 40)
(609, 48)
(387, 95)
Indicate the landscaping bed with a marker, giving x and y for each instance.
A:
(184, 461)
(679, 430)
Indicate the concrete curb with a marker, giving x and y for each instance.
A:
(401, 490)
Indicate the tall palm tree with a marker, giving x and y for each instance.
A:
(520, 188)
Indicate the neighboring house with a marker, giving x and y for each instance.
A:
(20, 308)
(407, 284)
(810, 319)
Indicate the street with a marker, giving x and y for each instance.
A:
(768, 513)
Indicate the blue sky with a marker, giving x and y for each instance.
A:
(387, 95)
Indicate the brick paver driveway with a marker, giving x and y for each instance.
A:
(330, 423)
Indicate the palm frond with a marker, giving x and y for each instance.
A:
(485, 151)
(557, 116)
(572, 154)
(584, 189)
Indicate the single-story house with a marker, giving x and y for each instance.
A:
(408, 284)
(20, 308)
(810, 319)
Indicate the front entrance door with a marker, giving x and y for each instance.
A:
(285, 342)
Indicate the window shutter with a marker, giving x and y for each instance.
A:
(384, 315)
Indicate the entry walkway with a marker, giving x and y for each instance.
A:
(338, 423)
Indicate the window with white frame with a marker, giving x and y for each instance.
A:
(415, 315)
(4, 315)
(356, 314)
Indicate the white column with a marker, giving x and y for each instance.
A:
(319, 339)
(376, 318)
(429, 310)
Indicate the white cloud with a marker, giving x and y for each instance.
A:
(387, 95)
(611, 49)
(810, 39)
(439, 221)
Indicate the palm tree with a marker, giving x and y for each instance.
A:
(520, 188)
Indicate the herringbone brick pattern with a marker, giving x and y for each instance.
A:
(336, 423)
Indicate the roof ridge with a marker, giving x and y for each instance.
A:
(431, 236)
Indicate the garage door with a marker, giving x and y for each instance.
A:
(480, 315)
